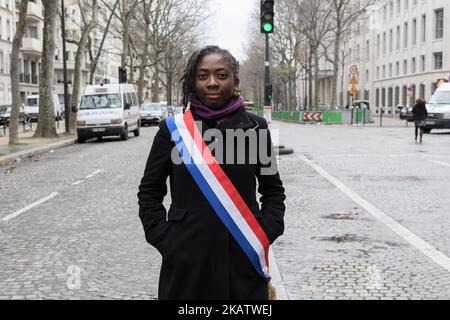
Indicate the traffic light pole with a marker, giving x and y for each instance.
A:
(267, 99)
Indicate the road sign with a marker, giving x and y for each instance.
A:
(353, 90)
(308, 116)
(410, 92)
(353, 80)
(354, 70)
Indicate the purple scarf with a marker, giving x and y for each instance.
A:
(217, 115)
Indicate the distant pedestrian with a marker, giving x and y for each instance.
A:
(214, 239)
(419, 114)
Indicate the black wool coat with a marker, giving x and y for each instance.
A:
(419, 112)
(200, 258)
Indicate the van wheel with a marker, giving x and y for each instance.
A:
(137, 132)
(124, 135)
(81, 140)
(427, 131)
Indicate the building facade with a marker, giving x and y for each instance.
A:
(401, 48)
(31, 51)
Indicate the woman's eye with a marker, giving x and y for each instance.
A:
(202, 76)
(222, 76)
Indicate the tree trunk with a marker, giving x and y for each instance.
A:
(155, 85)
(169, 88)
(316, 79)
(334, 80)
(125, 33)
(14, 72)
(310, 80)
(46, 117)
(145, 54)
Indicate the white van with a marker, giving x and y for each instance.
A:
(438, 108)
(108, 110)
(32, 107)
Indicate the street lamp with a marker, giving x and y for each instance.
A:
(67, 108)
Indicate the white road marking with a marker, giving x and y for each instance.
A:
(441, 163)
(276, 278)
(420, 244)
(31, 206)
(77, 183)
(93, 174)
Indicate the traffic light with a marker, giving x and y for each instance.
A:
(122, 75)
(267, 15)
(268, 92)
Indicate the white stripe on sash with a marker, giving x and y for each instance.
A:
(218, 189)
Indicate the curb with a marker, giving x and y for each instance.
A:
(38, 150)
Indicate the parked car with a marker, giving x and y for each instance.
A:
(360, 104)
(406, 113)
(6, 115)
(32, 107)
(152, 113)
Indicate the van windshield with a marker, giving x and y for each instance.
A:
(33, 102)
(440, 97)
(101, 101)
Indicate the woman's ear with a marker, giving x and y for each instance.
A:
(237, 83)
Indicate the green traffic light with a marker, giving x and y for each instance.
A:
(268, 27)
(270, 97)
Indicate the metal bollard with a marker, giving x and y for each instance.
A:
(381, 116)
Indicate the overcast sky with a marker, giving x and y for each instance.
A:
(229, 25)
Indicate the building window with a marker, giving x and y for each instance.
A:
(439, 31)
(398, 38)
(414, 32)
(438, 63)
(413, 65)
(422, 63)
(405, 42)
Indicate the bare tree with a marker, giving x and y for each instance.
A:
(343, 14)
(14, 72)
(105, 31)
(316, 27)
(81, 47)
(46, 117)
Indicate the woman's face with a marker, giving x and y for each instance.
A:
(214, 81)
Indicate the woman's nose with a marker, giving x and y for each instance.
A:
(212, 82)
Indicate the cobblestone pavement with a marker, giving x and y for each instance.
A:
(87, 241)
(91, 228)
(334, 249)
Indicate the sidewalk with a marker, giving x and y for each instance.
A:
(29, 146)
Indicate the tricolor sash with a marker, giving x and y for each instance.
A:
(220, 191)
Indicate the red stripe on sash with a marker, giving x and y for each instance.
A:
(226, 183)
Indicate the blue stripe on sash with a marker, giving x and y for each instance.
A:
(213, 199)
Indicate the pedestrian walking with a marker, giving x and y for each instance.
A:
(214, 239)
(419, 114)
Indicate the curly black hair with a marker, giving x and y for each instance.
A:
(188, 78)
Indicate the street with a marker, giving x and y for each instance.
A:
(367, 218)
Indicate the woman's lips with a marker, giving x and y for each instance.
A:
(213, 96)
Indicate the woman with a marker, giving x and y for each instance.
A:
(203, 255)
(419, 114)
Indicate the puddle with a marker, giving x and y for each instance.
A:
(343, 238)
(341, 216)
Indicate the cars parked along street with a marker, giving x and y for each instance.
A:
(5, 115)
(152, 113)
